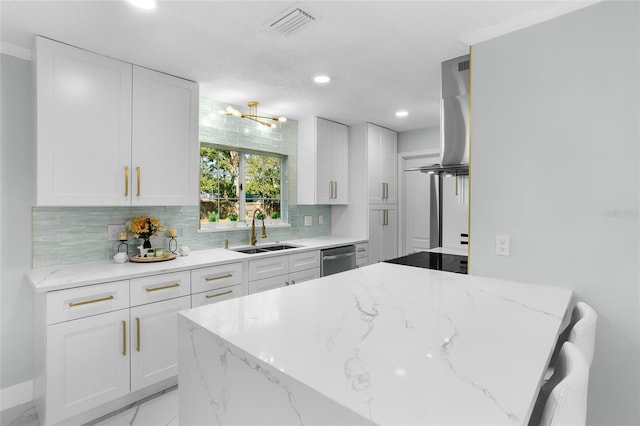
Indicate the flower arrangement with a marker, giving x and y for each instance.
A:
(144, 227)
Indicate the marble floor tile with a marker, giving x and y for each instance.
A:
(160, 409)
(156, 410)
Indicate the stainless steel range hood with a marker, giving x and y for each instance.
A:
(454, 119)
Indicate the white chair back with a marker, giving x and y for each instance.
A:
(567, 402)
(583, 332)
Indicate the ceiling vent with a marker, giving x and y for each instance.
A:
(290, 20)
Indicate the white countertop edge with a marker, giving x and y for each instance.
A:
(71, 276)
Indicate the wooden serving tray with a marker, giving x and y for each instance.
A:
(164, 257)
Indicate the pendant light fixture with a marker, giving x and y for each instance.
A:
(253, 115)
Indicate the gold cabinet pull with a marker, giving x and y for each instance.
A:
(385, 217)
(211, 296)
(138, 176)
(124, 338)
(86, 302)
(137, 334)
(335, 190)
(331, 190)
(218, 277)
(126, 181)
(162, 288)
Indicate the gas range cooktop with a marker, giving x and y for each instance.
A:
(440, 261)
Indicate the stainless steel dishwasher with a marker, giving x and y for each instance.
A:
(337, 259)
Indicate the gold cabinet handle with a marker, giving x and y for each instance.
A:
(335, 191)
(137, 334)
(385, 217)
(218, 277)
(163, 287)
(126, 181)
(331, 190)
(124, 338)
(360, 250)
(138, 176)
(211, 296)
(86, 302)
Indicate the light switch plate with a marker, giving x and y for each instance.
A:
(308, 220)
(320, 220)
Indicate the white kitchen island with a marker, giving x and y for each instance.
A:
(385, 344)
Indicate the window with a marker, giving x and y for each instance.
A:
(233, 184)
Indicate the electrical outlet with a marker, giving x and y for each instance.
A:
(114, 230)
(320, 220)
(502, 245)
(308, 220)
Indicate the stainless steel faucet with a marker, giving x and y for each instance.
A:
(254, 240)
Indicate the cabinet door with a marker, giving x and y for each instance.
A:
(382, 146)
(383, 233)
(324, 162)
(87, 363)
(389, 165)
(268, 283)
(306, 275)
(340, 163)
(154, 341)
(84, 127)
(165, 153)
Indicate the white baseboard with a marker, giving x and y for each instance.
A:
(16, 395)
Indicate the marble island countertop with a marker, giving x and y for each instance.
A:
(69, 276)
(384, 344)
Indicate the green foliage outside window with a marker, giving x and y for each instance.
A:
(235, 184)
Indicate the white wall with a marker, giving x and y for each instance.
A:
(554, 164)
(17, 145)
(419, 140)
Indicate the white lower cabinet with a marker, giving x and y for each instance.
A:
(87, 364)
(383, 233)
(280, 271)
(154, 341)
(112, 343)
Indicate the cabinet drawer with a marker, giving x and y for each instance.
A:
(302, 261)
(362, 250)
(362, 261)
(159, 287)
(268, 267)
(216, 277)
(213, 296)
(65, 305)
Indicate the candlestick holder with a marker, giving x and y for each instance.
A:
(173, 245)
(123, 245)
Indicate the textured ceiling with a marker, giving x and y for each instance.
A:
(382, 55)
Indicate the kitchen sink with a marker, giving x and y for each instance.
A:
(264, 249)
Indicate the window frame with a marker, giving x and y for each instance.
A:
(242, 151)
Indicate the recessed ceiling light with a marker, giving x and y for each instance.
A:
(144, 4)
(401, 114)
(322, 79)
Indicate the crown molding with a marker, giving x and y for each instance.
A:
(15, 50)
(526, 20)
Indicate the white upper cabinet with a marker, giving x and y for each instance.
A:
(112, 134)
(323, 162)
(165, 143)
(382, 162)
(84, 126)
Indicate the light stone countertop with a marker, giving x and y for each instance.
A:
(70, 276)
(385, 344)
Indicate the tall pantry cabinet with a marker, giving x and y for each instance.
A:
(372, 212)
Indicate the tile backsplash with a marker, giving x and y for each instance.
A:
(71, 235)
